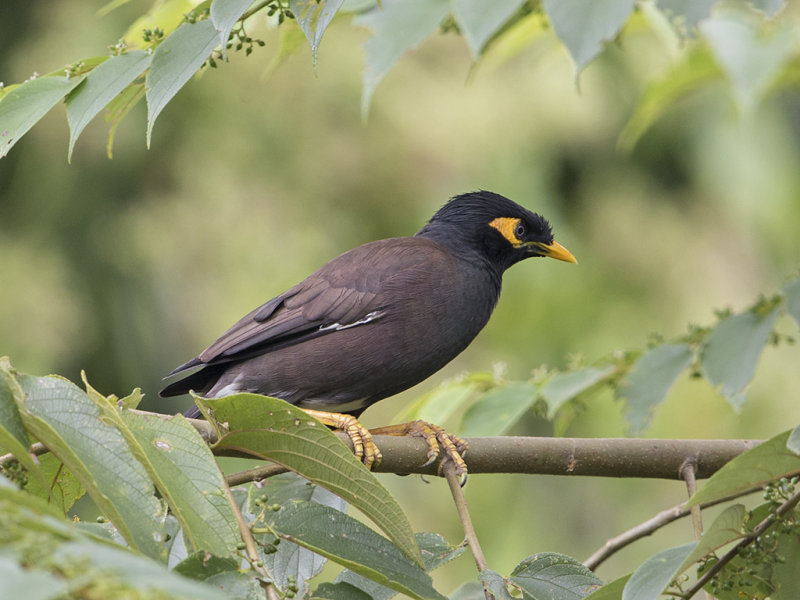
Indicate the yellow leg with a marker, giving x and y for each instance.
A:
(437, 439)
(363, 446)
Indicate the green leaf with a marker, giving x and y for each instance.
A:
(498, 409)
(750, 57)
(236, 586)
(692, 73)
(471, 590)
(438, 405)
(136, 571)
(352, 544)
(479, 20)
(793, 443)
(69, 423)
(13, 437)
(339, 591)
(201, 565)
(610, 591)
(792, 299)
(175, 60)
(59, 485)
(224, 14)
(496, 584)
(398, 26)
(22, 107)
(314, 16)
(295, 440)
(731, 352)
(563, 387)
(291, 560)
(729, 526)
(585, 26)
(554, 576)
(656, 573)
(766, 462)
(435, 550)
(784, 572)
(686, 14)
(100, 86)
(185, 472)
(648, 382)
(30, 584)
(117, 110)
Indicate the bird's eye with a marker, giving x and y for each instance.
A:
(520, 230)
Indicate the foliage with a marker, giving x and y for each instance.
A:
(169, 528)
(753, 45)
(165, 501)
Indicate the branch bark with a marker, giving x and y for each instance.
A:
(593, 457)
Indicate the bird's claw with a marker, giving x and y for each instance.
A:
(364, 448)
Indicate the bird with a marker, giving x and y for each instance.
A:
(377, 320)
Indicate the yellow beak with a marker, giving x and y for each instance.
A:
(557, 251)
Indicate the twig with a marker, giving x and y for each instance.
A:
(665, 517)
(758, 530)
(687, 472)
(251, 547)
(454, 481)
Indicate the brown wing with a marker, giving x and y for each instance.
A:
(344, 293)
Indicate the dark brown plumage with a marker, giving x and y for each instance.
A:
(380, 318)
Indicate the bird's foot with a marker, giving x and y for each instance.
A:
(437, 439)
(364, 448)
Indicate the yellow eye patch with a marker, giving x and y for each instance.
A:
(506, 226)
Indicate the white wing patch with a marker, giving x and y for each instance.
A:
(375, 314)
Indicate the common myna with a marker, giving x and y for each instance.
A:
(377, 320)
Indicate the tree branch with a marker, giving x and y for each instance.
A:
(594, 457)
(757, 531)
(665, 517)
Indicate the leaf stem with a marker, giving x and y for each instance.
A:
(454, 481)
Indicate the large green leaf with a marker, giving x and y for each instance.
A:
(498, 409)
(175, 60)
(438, 405)
(610, 591)
(349, 542)
(436, 551)
(292, 561)
(479, 20)
(766, 462)
(185, 472)
(585, 26)
(399, 26)
(727, 527)
(648, 382)
(22, 107)
(224, 14)
(100, 86)
(732, 350)
(686, 14)
(13, 437)
(750, 57)
(554, 576)
(339, 591)
(150, 578)
(70, 424)
(314, 16)
(30, 584)
(656, 573)
(275, 430)
(792, 298)
(562, 387)
(691, 74)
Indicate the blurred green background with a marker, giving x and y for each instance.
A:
(128, 267)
